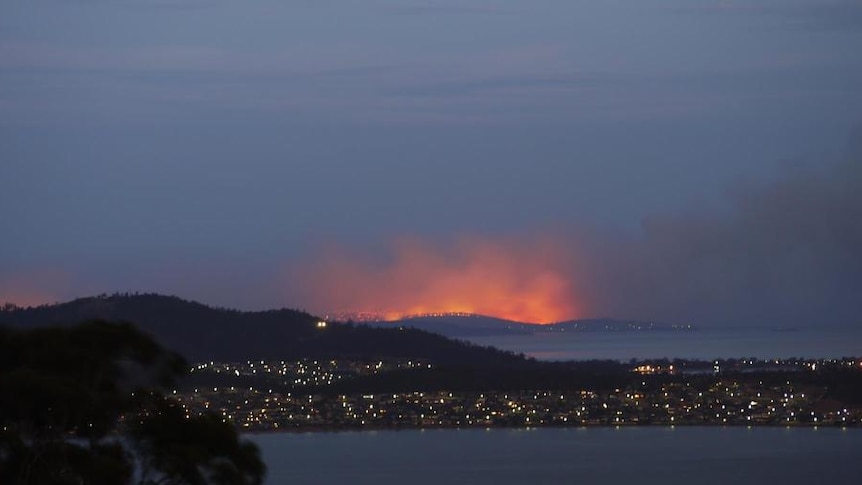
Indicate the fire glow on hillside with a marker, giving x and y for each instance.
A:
(514, 280)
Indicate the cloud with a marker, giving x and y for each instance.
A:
(816, 14)
(152, 4)
(350, 82)
(504, 85)
(445, 10)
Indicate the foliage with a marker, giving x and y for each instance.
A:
(204, 333)
(193, 450)
(84, 404)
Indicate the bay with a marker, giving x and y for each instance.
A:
(705, 344)
(643, 455)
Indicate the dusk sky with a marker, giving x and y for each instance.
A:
(689, 161)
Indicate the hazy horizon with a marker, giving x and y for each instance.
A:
(654, 160)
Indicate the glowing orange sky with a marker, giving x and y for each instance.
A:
(30, 289)
(512, 279)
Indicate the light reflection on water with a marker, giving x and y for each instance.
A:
(644, 455)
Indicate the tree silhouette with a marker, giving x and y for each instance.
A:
(178, 449)
(84, 404)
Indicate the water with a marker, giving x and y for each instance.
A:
(698, 344)
(643, 455)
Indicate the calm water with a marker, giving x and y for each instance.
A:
(643, 455)
(698, 344)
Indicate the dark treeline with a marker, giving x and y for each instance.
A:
(203, 333)
(464, 378)
(831, 382)
(837, 384)
(595, 374)
(840, 384)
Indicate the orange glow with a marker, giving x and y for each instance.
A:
(32, 288)
(516, 280)
(24, 297)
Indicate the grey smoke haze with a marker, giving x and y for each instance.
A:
(787, 252)
(780, 252)
(207, 148)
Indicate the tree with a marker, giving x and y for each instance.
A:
(177, 449)
(85, 404)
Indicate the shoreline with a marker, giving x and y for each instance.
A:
(357, 429)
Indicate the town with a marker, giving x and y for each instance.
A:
(296, 396)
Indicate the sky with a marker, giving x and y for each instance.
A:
(688, 161)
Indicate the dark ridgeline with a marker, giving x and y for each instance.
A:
(294, 343)
(203, 333)
(598, 375)
(462, 326)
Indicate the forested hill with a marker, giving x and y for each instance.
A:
(200, 332)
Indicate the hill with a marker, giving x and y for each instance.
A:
(203, 333)
(458, 325)
(464, 326)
